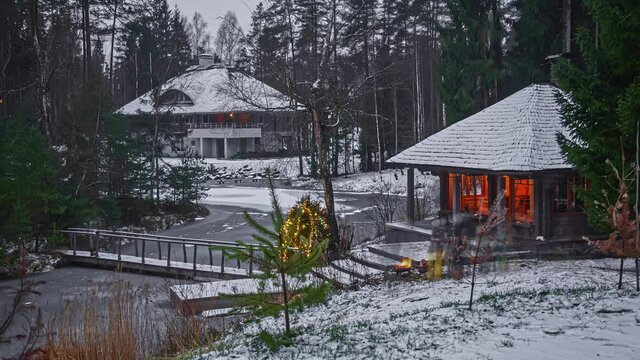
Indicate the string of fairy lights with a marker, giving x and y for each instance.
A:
(304, 226)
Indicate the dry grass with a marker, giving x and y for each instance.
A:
(118, 322)
(187, 333)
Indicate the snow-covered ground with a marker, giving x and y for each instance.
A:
(390, 180)
(258, 198)
(531, 310)
(288, 167)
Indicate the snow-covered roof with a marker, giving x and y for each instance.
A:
(213, 89)
(516, 134)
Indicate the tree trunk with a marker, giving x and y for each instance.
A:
(113, 40)
(300, 161)
(43, 69)
(473, 274)
(620, 275)
(375, 109)
(637, 198)
(395, 116)
(285, 298)
(86, 38)
(323, 167)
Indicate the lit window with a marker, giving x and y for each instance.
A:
(523, 200)
(474, 193)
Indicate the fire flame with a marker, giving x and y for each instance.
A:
(406, 263)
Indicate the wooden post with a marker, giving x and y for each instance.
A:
(444, 191)
(251, 260)
(144, 243)
(97, 244)
(135, 243)
(184, 251)
(501, 187)
(195, 257)
(169, 254)
(538, 192)
(119, 249)
(492, 189)
(210, 257)
(457, 181)
(411, 198)
(75, 243)
(547, 198)
(159, 250)
(222, 263)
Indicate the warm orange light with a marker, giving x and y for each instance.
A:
(406, 263)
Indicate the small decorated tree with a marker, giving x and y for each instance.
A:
(285, 256)
(482, 251)
(622, 241)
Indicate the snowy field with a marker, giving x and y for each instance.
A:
(258, 198)
(531, 310)
(390, 180)
(288, 167)
(393, 180)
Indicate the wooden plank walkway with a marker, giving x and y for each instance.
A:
(154, 266)
(191, 299)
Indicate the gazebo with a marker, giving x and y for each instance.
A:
(511, 146)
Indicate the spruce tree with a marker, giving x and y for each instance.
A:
(285, 255)
(603, 102)
(536, 34)
(470, 66)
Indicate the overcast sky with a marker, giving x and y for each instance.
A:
(212, 9)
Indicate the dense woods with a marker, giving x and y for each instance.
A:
(373, 77)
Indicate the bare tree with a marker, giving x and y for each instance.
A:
(200, 37)
(44, 73)
(229, 39)
(385, 201)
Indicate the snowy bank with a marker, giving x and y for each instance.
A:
(532, 310)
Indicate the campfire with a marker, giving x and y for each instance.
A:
(406, 264)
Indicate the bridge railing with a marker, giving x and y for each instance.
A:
(115, 239)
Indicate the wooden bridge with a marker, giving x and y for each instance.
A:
(183, 257)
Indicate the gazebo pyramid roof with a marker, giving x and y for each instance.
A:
(517, 134)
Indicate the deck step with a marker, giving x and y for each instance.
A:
(330, 273)
(218, 313)
(356, 269)
(397, 251)
(191, 299)
(373, 260)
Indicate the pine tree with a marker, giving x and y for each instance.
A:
(30, 194)
(180, 49)
(603, 86)
(536, 34)
(285, 256)
(471, 57)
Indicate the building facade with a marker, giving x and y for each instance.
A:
(220, 112)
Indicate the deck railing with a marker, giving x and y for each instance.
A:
(223, 125)
(97, 237)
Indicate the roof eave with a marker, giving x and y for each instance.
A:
(458, 169)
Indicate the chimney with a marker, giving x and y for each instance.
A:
(206, 59)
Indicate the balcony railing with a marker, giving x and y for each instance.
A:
(223, 125)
